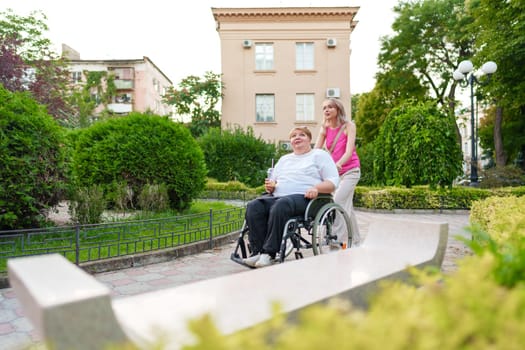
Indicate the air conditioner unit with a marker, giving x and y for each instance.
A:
(333, 92)
(331, 42)
(286, 146)
(247, 44)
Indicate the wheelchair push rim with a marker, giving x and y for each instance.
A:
(324, 239)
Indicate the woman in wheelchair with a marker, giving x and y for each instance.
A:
(298, 178)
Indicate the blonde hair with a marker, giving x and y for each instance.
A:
(341, 114)
(303, 129)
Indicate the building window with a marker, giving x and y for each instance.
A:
(95, 97)
(156, 85)
(76, 77)
(265, 108)
(304, 107)
(304, 56)
(263, 56)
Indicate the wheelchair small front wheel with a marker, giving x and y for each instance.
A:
(287, 243)
(243, 249)
(331, 230)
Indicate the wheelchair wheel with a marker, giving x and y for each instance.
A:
(331, 230)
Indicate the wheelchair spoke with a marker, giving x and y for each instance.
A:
(331, 230)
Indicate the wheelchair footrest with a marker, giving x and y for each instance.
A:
(236, 258)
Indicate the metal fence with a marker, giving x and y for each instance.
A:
(84, 243)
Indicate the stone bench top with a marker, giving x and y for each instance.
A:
(235, 301)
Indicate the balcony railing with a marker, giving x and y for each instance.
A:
(121, 84)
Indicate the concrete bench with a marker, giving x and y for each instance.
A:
(71, 309)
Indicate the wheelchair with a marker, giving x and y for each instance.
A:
(314, 230)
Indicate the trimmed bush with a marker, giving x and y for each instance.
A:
(87, 205)
(499, 216)
(154, 198)
(141, 149)
(32, 161)
(418, 197)
(502, 177)
(235, 155)
(417, 145)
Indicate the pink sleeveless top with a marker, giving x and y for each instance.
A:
(340, 148)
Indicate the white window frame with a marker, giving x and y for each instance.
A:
(304, 56)
(264, 108)
(305, 107)
(76, 77)
(264, 56)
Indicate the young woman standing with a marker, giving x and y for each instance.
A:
(337, 136)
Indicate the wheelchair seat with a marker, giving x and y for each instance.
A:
(324, 227)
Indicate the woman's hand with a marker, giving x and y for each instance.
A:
(311, 193)
(269, 185)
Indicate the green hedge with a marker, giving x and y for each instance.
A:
(140, 149)
(32, 161)
(422, 197)
(235, 154)
(385, 198)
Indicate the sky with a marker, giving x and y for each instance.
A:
(180, 37)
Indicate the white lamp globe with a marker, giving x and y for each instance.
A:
(465, 66)
(489, 67)
(457, 75)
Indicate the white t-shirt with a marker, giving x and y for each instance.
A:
(295, 174)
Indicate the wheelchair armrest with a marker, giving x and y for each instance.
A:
(324, 196)
(315, 204)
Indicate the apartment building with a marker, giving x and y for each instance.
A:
(279, 64)
(139, 84)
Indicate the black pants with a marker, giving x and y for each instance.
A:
(266, 217)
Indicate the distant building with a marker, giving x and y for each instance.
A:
(139, 84)
(279, 64)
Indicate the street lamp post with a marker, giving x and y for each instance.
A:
(466, 77)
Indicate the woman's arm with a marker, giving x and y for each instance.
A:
(319, 143)
(350, 134)
(325, 186)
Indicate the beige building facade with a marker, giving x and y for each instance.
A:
(280, 64)
(140, 85)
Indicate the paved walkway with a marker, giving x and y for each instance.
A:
(16, 332)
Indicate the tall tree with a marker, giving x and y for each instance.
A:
(501, 27)
(416, 145)
(388, 92)
(11, 64)
(34, 66)
(198, 97)
(431, 38)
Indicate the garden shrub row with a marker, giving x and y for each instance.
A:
(384, 198)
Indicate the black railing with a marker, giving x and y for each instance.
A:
(85, 243)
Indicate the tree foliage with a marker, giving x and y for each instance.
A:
(431, 37)
(139, 150)
(417, 146)
(11, 64)
(501, 28)
(197, 98)
(235, 154)
(387, 93)
(29, 63)
(32, 167)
